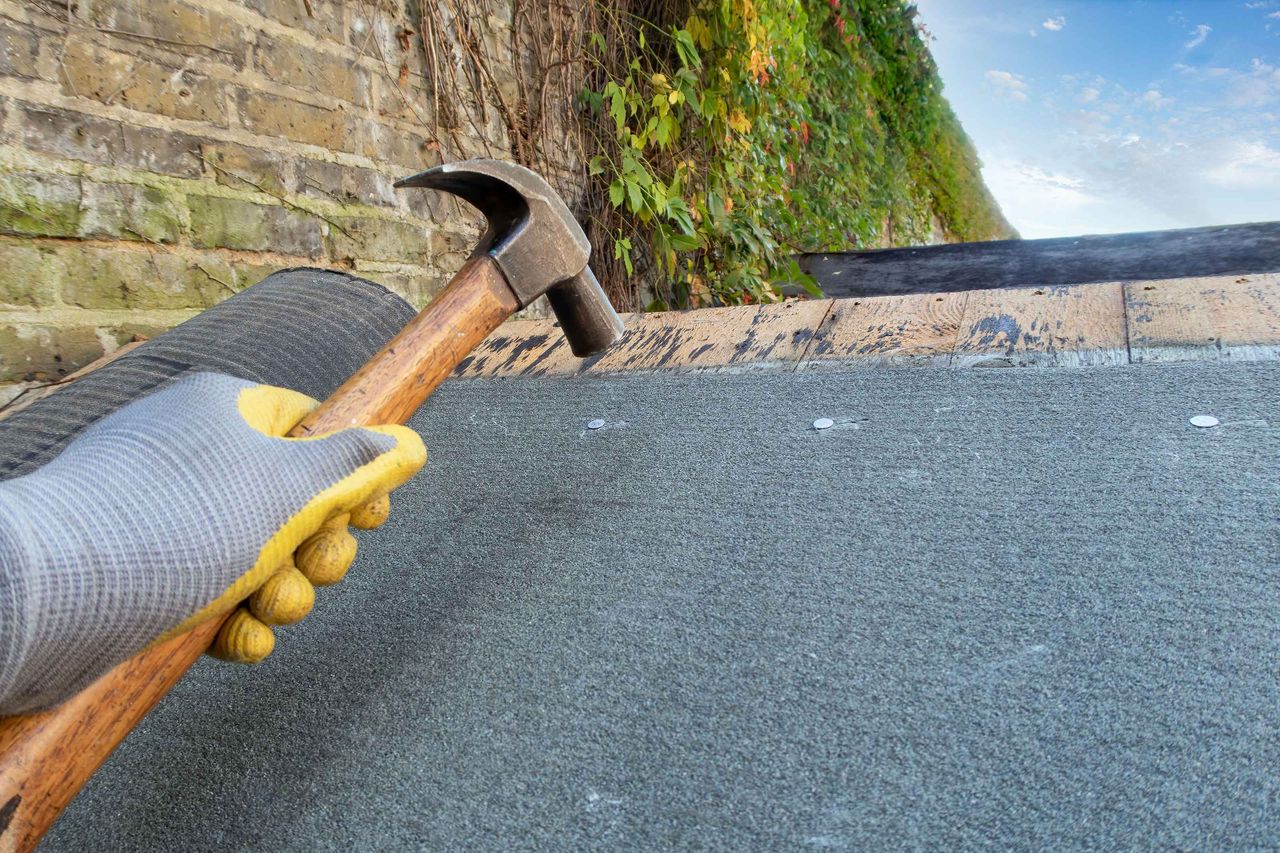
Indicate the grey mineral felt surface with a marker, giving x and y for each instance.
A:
(1006, 608)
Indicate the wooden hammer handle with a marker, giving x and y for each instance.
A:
(46, 758)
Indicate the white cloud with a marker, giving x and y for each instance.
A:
(1247, 166)
(1008, 84)
(1274, 15)
(1087, 95)
(1033, 33)
(1153, 99)
(1198, 35)
(1055, 24)
(1259, 86)
(1042, 202)
(1037, 185)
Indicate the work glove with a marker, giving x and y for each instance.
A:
(175, 509)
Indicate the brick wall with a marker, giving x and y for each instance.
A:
(157, 156)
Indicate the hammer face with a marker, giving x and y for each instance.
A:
(590, 324)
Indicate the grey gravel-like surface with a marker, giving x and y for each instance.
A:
(1012, 609)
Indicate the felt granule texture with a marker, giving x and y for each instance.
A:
(987, 608)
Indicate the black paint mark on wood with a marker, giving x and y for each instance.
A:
(8, 810)
(744, 346)
(546, 353)
(989, 328)
(528, 344)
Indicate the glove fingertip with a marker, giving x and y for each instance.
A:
(243, 638)
(326, 556)
(285, 598)
(372, 513)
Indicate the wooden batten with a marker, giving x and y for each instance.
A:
(1089, 325)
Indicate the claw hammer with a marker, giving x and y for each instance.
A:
(532, 246)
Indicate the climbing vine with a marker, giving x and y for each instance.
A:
(749, 130)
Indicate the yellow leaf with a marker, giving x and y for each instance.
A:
(673, 97)
(739, 122)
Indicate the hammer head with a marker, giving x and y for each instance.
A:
(536, 242)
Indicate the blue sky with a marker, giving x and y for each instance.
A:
(1117, 115)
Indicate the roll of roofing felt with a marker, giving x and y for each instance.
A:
(305, 329)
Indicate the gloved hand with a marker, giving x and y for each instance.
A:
(174, 510)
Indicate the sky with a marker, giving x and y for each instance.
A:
(1101, 116)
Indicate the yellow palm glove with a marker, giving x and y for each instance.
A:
(176, 509)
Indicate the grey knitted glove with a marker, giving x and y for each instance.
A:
(171, 511)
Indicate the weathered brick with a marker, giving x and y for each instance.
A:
(39, 205)
(125, 333)
(27, 274)
(275, 116)
(250, 168)
(380, 240)
(324, 21)
(83, 137)
(294, 65)
(417, 290)
(349, 184)
(137, 83)
(386, 144)
(35, 353)
(452, 242)
(19, 51)
(376, 29)
(129, 212)
(234, 224)
(105, 278)
(189, 27)
(248, 275)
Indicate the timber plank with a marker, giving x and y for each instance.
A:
(1218, 318)
(1221, 317)
(889, 330)
(523, 348)
(745, 337)
(1046, 327)
(714, 339)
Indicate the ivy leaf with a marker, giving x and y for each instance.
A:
(679, 213)
(616, 193)
(662, 132)
(687, 50)
(684, 242)
(634, 198)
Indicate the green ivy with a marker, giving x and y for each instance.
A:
(756, 129)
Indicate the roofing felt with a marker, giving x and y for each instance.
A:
(1140, 256)
(1010, 608)
(305, 329)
